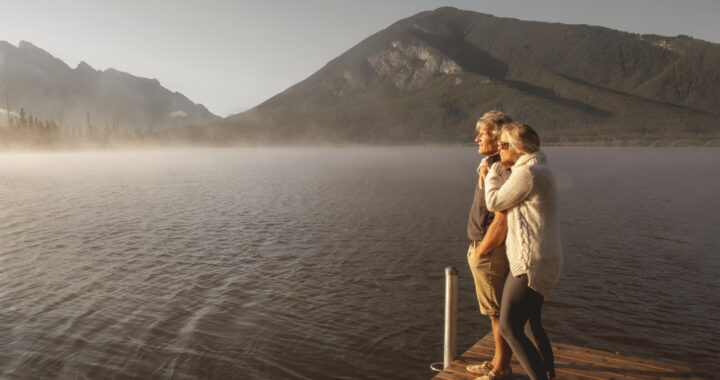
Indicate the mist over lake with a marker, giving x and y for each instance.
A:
(260, 263)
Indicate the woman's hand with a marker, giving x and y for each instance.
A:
(498, 168)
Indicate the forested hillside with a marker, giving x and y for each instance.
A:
(427, 78)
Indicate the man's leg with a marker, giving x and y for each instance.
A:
(489, 273)
(503, 354)
(481, 269)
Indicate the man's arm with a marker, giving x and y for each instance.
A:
(495, 235)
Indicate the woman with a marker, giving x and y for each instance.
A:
(533, 246)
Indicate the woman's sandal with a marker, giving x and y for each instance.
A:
(493, 376)
(480, 369)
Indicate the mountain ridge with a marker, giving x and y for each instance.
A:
(429, 76)
(33, 79)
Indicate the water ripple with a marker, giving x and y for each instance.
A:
(328, 263)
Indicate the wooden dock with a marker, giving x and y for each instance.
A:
(573, 362)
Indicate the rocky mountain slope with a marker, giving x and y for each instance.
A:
(430, 76)
(32, 79)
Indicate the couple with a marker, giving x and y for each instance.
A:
(515, 197)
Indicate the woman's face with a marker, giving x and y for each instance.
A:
(509, 153)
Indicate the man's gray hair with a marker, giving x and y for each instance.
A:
(494, 118)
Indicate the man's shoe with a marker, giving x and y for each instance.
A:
(494, 376)
(480, 369)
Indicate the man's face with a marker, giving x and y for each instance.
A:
(487, 144)
(508, 153)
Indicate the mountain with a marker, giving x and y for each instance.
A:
(429, 77)
(33, 79)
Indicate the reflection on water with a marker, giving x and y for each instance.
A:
(328, 263)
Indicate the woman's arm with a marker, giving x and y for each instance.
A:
(501, 196)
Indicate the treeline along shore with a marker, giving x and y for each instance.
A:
(27, 132)
(47, 136)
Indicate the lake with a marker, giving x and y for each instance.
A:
(313, 263)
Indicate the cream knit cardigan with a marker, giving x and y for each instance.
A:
(530, 196)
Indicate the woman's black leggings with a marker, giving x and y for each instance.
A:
(521, 305)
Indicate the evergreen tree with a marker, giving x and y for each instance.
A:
(22, 122)
(89, 128)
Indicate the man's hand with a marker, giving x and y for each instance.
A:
(483, 171)
(495, 235)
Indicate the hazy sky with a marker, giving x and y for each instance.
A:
(233, 55)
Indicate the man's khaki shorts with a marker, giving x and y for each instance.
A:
(489, 272)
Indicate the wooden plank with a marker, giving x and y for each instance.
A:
(486, 345)
(573, 362)
(594, 356)
(598, 354)
(626, 365)
(563, 363)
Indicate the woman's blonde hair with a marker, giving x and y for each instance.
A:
(522, 136)
(495, 118)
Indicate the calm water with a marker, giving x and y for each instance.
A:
(328, 263)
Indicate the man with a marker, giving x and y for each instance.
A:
(486, 255)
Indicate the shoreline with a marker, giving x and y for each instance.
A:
(172, 146)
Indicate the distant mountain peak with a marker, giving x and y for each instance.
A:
(84, 66)
(27, 45)
(45, 86)
(6, 45)
(29, 48)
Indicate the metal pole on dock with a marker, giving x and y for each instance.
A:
(450, 314)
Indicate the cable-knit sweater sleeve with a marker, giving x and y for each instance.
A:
(501, 196)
